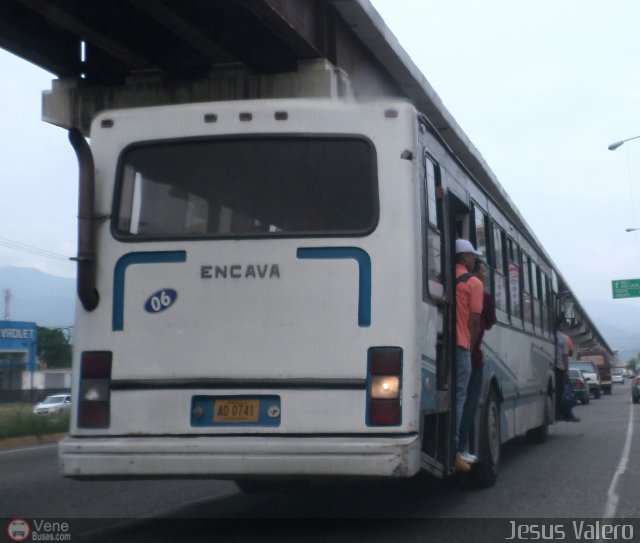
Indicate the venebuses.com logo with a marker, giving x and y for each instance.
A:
(19, 529)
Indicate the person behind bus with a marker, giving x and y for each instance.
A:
(487, 320)
(469, 297)
(570, 346)
(563, 410)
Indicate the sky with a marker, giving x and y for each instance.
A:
(540, 88)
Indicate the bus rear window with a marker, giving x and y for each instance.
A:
(247, 187)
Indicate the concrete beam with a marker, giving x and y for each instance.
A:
(581, 338)
(586, 344)
(64, 19)
(72, 104)
(182, 29)
(304, 25)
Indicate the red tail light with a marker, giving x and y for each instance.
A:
(384, 386)
(384, 413)
(578, 383)
(94, 403)
(638, 380)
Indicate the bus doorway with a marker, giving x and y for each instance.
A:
(447, 219)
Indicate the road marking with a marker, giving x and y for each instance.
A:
(612, 496)
(34, 447)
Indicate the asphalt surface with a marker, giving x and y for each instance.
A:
(577, 474)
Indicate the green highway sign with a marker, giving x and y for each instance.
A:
(626, 288)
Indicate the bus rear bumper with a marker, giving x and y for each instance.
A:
(228, 457)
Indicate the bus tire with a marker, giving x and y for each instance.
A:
(485, 472)
(541, 433)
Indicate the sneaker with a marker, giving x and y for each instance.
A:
(468, 457)
(461, 464)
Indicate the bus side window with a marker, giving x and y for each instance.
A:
(433, 208)
(535, 288)
(430, 182)
(527, 297)
(551, 306)
(481, 226)
(546, 307)
(499, 279)
(515, 290)
(479, 238)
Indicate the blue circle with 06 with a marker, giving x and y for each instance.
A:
(161, 300)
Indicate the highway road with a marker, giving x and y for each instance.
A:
(586, 470)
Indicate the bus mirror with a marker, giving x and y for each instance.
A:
(568, 311)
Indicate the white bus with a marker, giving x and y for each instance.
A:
(265, 291)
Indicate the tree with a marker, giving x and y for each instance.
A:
(632, 364)
(54, 347)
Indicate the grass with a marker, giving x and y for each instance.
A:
(18, 420)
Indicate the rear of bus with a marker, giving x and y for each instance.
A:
(258, 286)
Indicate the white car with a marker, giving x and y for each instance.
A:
(53, 405)
(617, 376)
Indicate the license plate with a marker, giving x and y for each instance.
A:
(236, 410)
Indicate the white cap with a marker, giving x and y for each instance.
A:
(464, 246)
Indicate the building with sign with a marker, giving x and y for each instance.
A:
(18, 352)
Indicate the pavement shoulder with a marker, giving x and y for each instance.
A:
(27, 441)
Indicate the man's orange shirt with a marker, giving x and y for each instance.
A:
(469, 296)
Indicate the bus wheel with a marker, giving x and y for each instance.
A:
(541, 433)
(485, 472)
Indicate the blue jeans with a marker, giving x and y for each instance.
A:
(463, 374)
(470, 406)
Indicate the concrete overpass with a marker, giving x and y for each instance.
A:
(125, 53)
(148, 52)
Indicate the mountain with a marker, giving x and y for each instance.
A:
(38, 297)
(619, 323)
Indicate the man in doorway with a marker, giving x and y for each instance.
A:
(563, 410)
(487, 320)
(469, 299)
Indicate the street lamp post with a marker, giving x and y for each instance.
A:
(612, 147)
(617, 144)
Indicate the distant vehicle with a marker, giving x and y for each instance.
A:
(590, 372)
(635, 388)
(617, 376)
(602, 359)
(579, 385)
(52, 405)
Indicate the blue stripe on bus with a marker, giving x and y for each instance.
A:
(153, 257)
(364, 268)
